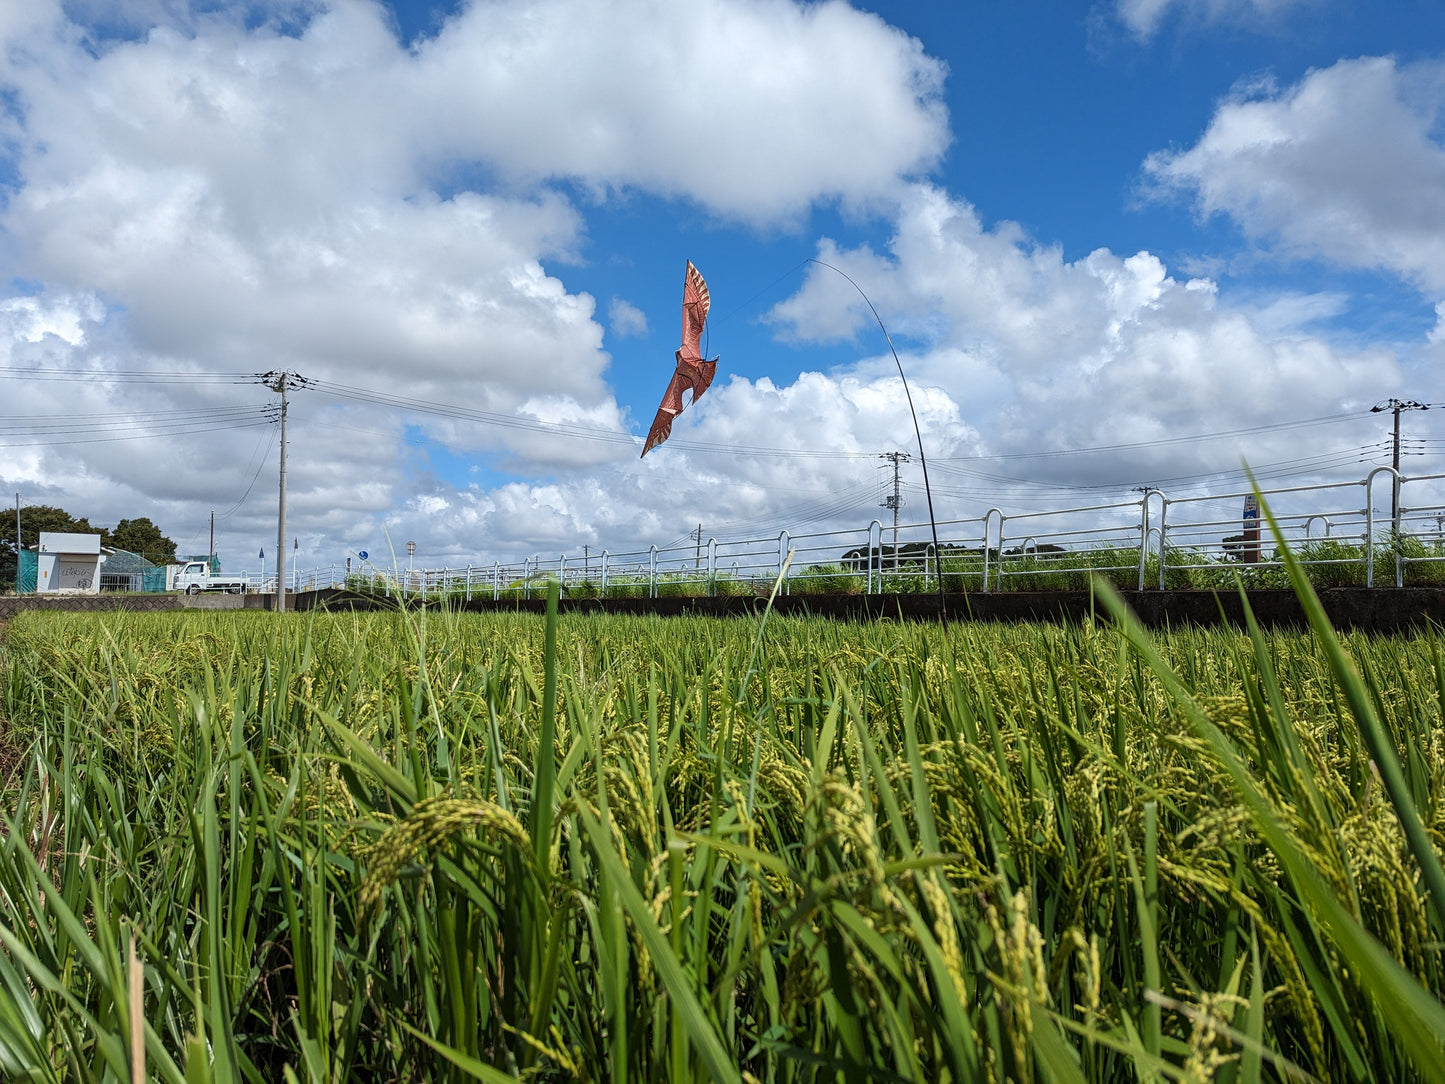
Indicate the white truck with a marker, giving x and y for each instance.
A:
(196, 576)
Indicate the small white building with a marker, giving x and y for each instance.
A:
(69, 564)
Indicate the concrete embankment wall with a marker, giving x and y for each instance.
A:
(1379, 609)
(10, 605)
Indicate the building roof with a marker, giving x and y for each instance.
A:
(118, 561)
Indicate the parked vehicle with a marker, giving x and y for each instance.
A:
(196, 576)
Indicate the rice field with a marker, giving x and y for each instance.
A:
(440, 846)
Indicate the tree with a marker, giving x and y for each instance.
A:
(143, 537)
(34, 518)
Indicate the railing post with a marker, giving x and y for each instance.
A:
(469, 583)
(1397, 540)
(603, 592)
(784, 543)
(1370, 519)
(1143, 537)
(874, 552)
(562, 574)
(1163, 543)
(711, 567)
(652, 572)
(987, 519)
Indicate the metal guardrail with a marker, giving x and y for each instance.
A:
(1146, 543)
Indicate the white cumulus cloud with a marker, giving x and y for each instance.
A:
(1143, 18)
(249, 187)
(626, 319)
(1040, 352)
(1347, 165)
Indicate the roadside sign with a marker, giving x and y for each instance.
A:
(1250, 551)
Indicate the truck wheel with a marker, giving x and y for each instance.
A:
(193, 589)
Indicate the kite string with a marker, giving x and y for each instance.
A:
(917, 433)
(747, 303)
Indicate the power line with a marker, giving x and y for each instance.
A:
(579, 432)
(182, 430)
(20, 425)
(100, 428)
(1338, 457)
(841, 501)
(1193, 438)
(125, 376)
(615, 436)
(236, 505)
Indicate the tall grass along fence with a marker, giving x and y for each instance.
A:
(435, 846)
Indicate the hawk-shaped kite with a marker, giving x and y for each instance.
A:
(692, 372)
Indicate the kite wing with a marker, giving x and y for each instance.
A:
(671, 407)
(695, 303)
(692, 371)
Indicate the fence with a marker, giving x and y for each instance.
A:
(1156, 541)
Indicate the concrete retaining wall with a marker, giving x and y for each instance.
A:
(1379, 609)
(10, 605)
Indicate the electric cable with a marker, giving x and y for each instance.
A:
(124, 376)
(184, 429)
(236, 506)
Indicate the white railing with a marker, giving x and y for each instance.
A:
(1154, 541)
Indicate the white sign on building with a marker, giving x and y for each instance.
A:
(69, 564)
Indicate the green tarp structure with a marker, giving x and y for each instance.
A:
(29, 570)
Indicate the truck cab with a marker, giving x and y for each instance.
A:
(195, 577)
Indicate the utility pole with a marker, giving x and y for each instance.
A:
(1395, 406)
(894, 501)
(281, 382)
(211, 553)
(17, 543)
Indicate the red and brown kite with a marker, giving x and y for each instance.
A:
(692, 372)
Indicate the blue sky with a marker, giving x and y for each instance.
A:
(1115, 224)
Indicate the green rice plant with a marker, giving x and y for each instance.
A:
(432, 845)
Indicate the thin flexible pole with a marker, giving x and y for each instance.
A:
(918, 435)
